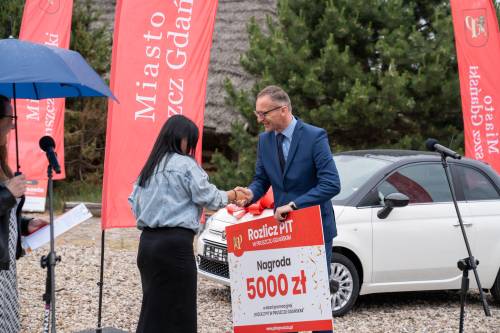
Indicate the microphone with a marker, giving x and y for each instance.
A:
(48, 145)
(433, 145)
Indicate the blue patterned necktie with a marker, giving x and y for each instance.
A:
(279, 140)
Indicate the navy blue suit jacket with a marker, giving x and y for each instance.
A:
(310, 176)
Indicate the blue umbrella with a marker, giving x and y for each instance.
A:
(36, 71)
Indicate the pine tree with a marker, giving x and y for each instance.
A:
(11, 13)
(373, 73)
(85, 119)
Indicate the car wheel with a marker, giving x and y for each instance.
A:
(346, 274)
(495, 290)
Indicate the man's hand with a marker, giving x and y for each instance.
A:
(243, 196)
(16, 185)
(281, 213)
(36, 224)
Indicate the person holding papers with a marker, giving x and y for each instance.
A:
(295, 159)
(11, 227)
(167, 201)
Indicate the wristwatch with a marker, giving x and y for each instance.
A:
(293, 205)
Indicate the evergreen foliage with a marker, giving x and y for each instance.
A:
(11, 13)
(373, 73)
(85, 118)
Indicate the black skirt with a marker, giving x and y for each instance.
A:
(168, 275)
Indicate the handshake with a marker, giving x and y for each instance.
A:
(240, 196)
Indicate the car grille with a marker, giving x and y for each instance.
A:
(214, 267)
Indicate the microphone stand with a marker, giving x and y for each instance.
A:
(50, 262)
(466, 264)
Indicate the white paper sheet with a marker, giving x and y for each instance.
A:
(63, 223)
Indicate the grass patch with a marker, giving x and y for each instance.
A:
(75, 191)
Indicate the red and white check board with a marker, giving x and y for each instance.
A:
(279, 279)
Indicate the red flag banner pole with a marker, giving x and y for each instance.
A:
(478, 52)
(159, 69)
(49, 23)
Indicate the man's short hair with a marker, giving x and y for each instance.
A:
(277, 95)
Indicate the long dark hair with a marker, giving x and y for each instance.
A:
(175, 129)
(5, 171)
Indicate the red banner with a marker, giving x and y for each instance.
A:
(44, 22)
(478, 50)
(159, 69)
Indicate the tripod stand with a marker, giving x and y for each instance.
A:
(466, 264)
(49, 262)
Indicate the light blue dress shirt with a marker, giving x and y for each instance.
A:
(175, 195)
(288, 133)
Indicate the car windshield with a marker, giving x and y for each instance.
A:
(354, 171)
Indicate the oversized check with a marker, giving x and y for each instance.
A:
(278, 273)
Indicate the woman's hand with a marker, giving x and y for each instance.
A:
(36, 224)
(240, 196)
(16, 185)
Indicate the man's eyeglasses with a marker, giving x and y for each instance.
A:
(262, 114)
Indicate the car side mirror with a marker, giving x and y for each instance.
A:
(391, 201)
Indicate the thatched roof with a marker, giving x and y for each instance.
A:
(107, 11)
(230, 40)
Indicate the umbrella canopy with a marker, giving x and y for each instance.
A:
(36, 71)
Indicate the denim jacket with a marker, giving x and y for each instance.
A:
(175, 195)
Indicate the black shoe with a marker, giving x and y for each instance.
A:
(334, 286)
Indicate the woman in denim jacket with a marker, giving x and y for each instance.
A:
(167, 201)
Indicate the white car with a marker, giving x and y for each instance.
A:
(397, 226)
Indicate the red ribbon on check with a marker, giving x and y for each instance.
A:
(267, 201)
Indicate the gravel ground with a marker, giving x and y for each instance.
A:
(77, 294)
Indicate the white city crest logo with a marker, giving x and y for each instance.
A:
(476, 25)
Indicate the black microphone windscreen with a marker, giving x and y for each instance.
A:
(430, 143)
(46, 143)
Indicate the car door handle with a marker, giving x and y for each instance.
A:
(466, 224)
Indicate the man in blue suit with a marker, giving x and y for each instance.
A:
(295, 159)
